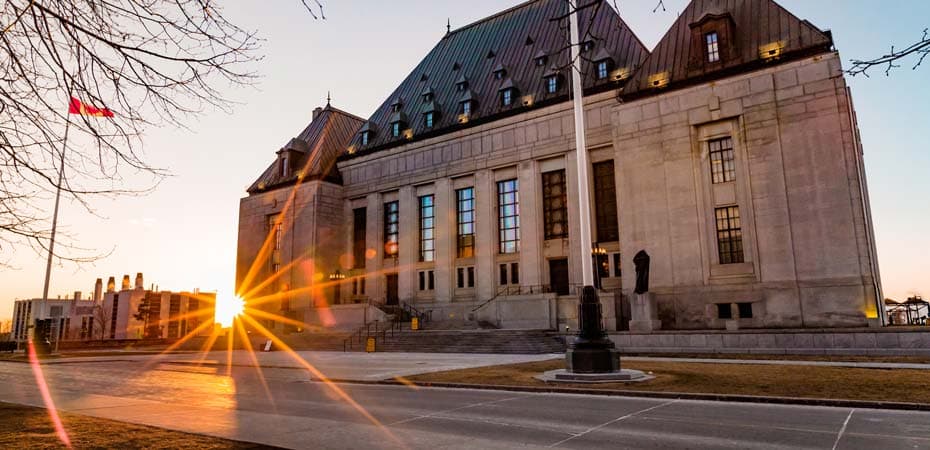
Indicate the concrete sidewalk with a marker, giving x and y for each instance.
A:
(353, 366)
(777, 362)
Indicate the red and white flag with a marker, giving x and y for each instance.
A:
(78, 107)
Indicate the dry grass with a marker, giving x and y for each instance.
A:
(28, 427)
(829, 358)
(898, 385)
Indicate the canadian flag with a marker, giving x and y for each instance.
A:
(78, 107)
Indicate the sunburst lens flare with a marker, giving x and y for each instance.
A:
(227, 309)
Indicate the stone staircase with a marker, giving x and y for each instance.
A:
(474, 341)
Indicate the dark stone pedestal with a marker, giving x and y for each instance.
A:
(592, 360)
(592, 351)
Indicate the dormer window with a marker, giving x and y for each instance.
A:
(540, 58)
(499, 72)
(395, 107)
(603, 64)
(552, 84)
(365, 134)
(285, 166)
(466, 108)
(601, 70)
(428, 119)
(713, 43)
(713, 48)
(395, 129)
(428, 95)
(507, 97)
(587, 46)
(508, 92)
(461, 84)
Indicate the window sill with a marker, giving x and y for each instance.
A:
(746, 269)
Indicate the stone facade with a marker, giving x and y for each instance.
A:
(799, 187)
(795, 182)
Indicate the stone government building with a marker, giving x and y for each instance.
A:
(730, 153)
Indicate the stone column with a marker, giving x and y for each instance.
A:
(531, 261)
(374, 282)
(444, 235)
(408, 244)
(485, 234)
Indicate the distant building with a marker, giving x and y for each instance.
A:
(130, 313)
(730, 153)
(26, 312)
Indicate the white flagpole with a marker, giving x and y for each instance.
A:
(581, 150)
(51, 243)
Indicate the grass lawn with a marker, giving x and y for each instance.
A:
(830, 358)
(898, 385)
(29, 427)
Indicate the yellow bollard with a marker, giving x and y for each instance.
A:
(370, 345)
(415, 324)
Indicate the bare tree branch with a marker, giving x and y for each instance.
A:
(151, 62)
(918, 50)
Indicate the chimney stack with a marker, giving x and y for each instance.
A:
(77, 295)
(125, 285)
(139, 284)
(98, 290)
(111, 285)
(316, 112)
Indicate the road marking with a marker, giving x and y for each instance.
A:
(473, 405)
(843, 429)
(613, 421)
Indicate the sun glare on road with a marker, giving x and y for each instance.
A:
(227, 309)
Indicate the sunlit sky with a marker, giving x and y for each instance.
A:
(183, 236)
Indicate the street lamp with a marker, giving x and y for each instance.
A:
(336, 277)
(596, 253)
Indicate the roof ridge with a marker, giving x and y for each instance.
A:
(343, 112)
(493, 16)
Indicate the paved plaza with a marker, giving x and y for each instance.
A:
(295, 412)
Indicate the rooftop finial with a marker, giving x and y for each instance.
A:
(448, 25)
(328, 98)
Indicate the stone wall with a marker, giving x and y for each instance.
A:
(884, 342)
(311, 240)
(808, 247)
(808, 250)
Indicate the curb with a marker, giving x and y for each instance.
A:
(836, 403)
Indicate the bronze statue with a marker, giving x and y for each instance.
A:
(641, 261)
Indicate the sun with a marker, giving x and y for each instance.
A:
(227, 309)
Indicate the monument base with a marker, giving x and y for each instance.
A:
(620, 376)
(595, 359)
(643, 314)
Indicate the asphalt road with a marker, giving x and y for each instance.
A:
(297, 413)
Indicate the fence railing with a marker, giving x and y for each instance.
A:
(379, 330)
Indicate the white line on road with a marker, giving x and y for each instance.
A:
(473, 405)
(843, 430)
(613, 421)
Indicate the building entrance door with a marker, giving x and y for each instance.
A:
(558, 276)
(390, 297)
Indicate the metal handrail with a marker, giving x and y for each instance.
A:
(504, 291)
(380, 331)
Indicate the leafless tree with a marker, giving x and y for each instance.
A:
(151, 62)
(916, 52)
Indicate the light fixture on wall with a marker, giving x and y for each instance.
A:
(771, 50)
